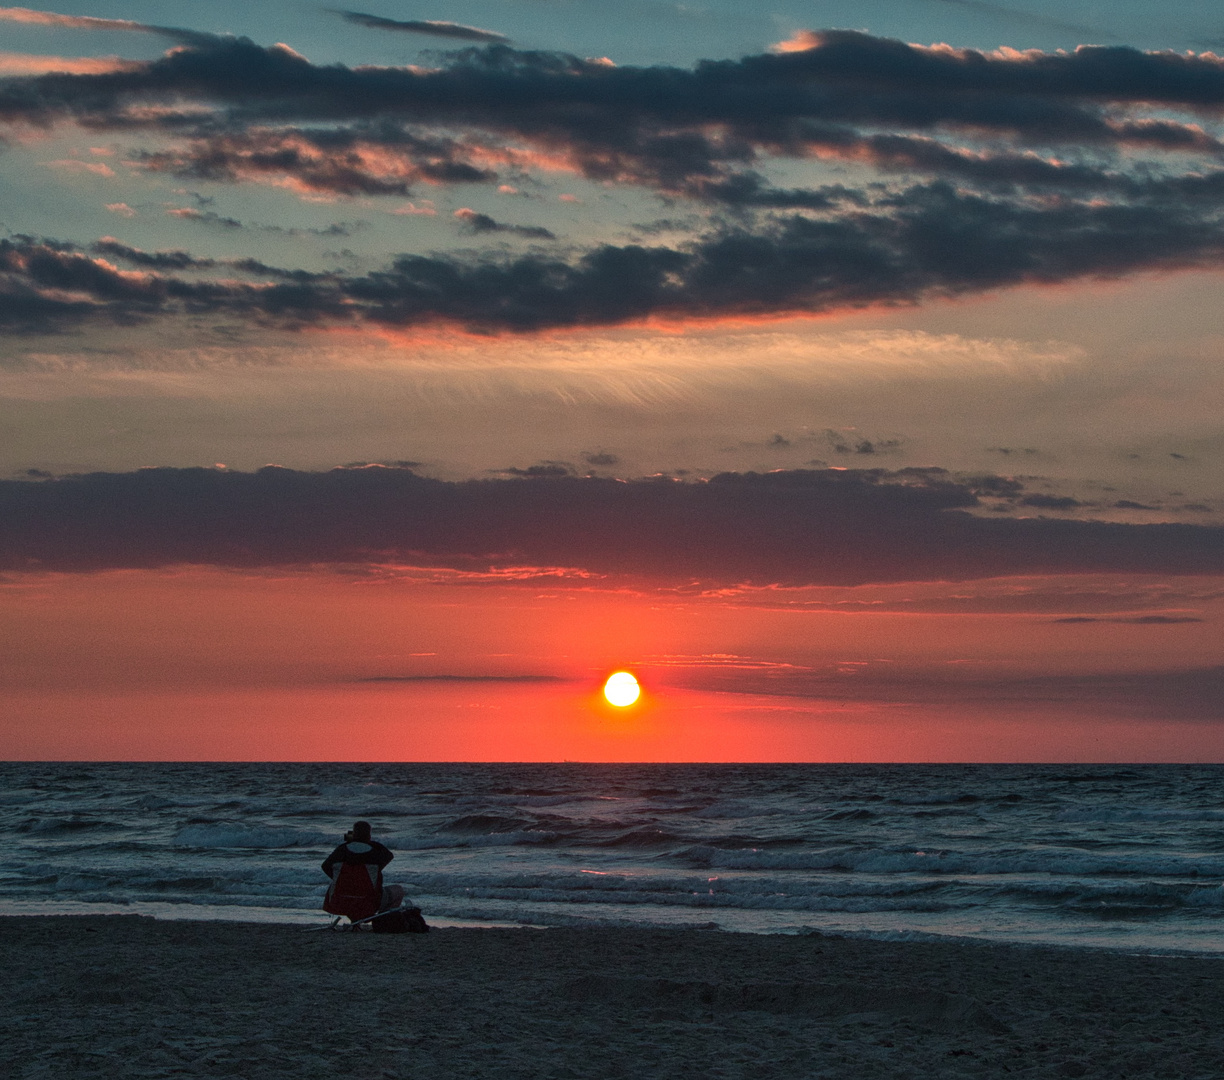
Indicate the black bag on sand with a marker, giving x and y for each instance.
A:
(400, 921)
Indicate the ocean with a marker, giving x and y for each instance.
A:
(1120, 857)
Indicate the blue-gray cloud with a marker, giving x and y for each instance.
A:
(992, 170)
(837, 527)
(926, 241)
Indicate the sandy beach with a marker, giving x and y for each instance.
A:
(130, 996)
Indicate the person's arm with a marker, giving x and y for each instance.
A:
(382, 855)
(331, 860)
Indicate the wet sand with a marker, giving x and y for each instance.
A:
(124, 996)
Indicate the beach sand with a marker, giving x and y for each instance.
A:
(125, 996)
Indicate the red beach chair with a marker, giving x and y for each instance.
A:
(355, 891)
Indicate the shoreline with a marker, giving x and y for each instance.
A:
(133, 995)
(311, 918)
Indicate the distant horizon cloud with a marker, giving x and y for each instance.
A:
(787, 528)
(462, 678)
(1186, 693)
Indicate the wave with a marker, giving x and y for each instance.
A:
(850, 815)
(240, 835)
(1110, 814)
(528, 800)
(646, 836)
(45, 827)
(881, 861)
(1086, 778)
(487, 823)
(510, 839)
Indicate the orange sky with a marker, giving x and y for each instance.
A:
(205, 664)
(498, 723)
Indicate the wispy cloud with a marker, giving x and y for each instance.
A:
(76, 22)
(73, 165)
(204, 217)
(463, 678)
(88, 22)
(430, 27)
(1027, 18)
(476, 222)
(31, 64)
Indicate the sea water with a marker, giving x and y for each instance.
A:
(1122, 857)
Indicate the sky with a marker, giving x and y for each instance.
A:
(376, 381)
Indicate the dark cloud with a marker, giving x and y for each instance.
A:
(380, 159)
(927, 241)
(839, 527)
(845, 77)
(840, 443)
(158, 260)
(1050, 502)
(1131, 181)
(423, 26)
(600, 458)
(543, 471)
(182, 260)
(1116, 73)
(204, 217)
(687, 131)
(1135, 620)
(475, 222)
(35, 275)
(1185, 694)
(464, 678)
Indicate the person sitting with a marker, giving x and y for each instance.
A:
(355, 869)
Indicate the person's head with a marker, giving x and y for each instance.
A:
(361, 831)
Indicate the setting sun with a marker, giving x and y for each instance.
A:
(621, 689)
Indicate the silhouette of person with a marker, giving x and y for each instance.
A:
(355, 869)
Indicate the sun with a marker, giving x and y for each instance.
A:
(621, 689)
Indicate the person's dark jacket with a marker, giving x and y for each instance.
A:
(358, 851)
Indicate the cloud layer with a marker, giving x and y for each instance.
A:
(835, 527)
(964, 171)
(929, 241)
